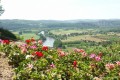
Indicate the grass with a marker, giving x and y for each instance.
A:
(29, 35)
(62, 31)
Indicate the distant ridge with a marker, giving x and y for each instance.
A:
(17, 24)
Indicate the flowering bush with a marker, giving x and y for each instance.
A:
(33, 61)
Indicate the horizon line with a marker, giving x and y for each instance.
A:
(61, 19)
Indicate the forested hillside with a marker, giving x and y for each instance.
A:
(18, 24)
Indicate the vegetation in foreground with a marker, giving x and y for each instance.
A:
(6, 34)
(33, 61)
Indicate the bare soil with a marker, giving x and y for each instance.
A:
(6, 71)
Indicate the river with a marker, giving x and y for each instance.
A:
(49, 42)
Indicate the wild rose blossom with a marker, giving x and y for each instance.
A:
(110, 66)
(44, 48)
(39, 54)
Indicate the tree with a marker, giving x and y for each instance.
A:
(1, 10)
(58, 43)
(42, 37)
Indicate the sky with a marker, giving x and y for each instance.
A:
(60, 9)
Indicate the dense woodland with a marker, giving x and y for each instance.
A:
(22, 24)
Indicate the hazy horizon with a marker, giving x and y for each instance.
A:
(60, 9)
(59, 20)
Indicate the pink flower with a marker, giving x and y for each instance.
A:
(40, 41)
(24, 45)
(0, 40)
(23, 50)
(61, 53)
(78, 50)
(81, 50)
(118, 63)
(34, 43)
(84, 54)
(30, 66)
(110, 66)
(52, 65)
(92, 55)
(97, 58)
(59, 49)
(33, 47)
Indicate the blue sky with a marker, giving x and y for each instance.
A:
(61, 9)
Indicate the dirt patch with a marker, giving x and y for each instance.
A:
(6, 71)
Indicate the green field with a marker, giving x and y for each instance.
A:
(62, 31)
(29, 35)
(83, 37)
(68, 31)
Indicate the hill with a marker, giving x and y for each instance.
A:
(21, 24)
(6, 34)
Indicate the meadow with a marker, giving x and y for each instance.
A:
(28, 35)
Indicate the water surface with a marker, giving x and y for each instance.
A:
(49, 42)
